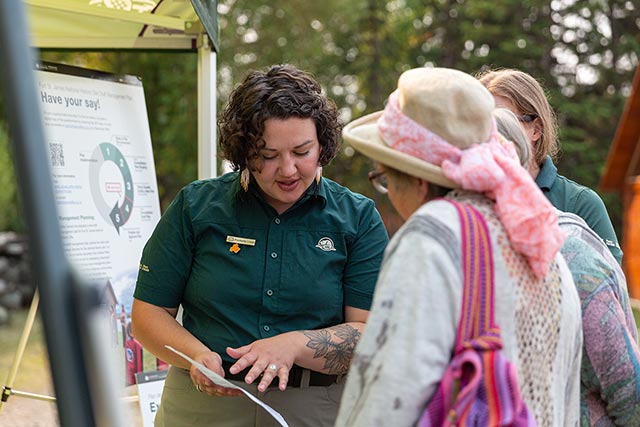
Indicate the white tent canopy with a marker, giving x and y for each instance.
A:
(140, 24)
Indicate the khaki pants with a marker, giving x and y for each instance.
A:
(183, 406)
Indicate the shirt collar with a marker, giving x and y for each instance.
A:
(316, 191)
(320, 191)
(547, 175)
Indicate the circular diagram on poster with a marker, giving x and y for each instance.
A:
(111, 184)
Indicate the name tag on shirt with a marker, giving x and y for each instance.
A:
(241, 240)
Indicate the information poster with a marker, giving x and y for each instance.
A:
(104, 181)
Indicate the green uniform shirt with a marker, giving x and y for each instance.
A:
(242, 272)
(569, 196)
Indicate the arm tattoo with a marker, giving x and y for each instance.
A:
(337, 354)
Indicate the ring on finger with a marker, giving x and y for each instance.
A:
(272, 367)
(198, 388)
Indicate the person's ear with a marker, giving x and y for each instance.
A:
(423, 190)
(536, 132)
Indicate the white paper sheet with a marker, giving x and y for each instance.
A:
(217, 379)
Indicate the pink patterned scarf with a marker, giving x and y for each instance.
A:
(490, 168)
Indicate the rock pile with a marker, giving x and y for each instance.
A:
(16, 284)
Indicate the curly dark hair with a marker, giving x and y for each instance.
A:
(280, 92)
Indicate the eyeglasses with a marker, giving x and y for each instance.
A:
(527, 118)
(379, 181)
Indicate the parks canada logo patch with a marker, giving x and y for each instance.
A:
(326, 244)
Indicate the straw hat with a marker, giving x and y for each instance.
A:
(449, 103)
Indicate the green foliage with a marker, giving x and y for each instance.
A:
(10, 210)
(599, 44)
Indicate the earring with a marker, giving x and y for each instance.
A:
(245, 176)
(318, 174)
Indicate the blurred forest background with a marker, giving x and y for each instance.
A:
(583, 52)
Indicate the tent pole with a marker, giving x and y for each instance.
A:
(207, 159)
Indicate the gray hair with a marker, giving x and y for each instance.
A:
(509, 127)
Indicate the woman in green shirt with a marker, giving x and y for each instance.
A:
(522, 94)
(274, 266)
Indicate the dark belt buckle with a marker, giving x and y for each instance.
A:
(316, 379)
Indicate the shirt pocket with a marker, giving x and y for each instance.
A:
(312, 273)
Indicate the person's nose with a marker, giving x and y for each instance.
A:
(288, 165)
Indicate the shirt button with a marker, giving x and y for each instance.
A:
(274, 255)
(266, 328)
(277, 220)
(269, 292)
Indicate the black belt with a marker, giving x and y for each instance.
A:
(316, 379)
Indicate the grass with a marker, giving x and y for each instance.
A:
(33, 374)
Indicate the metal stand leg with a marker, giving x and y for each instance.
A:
(7, 389)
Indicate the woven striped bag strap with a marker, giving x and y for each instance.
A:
(476, 327)
(479, 386)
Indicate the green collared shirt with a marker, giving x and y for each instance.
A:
(242, 272)
(569, 196)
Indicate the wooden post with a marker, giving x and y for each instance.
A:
(631, 235)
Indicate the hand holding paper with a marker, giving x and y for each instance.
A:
(218, 380)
